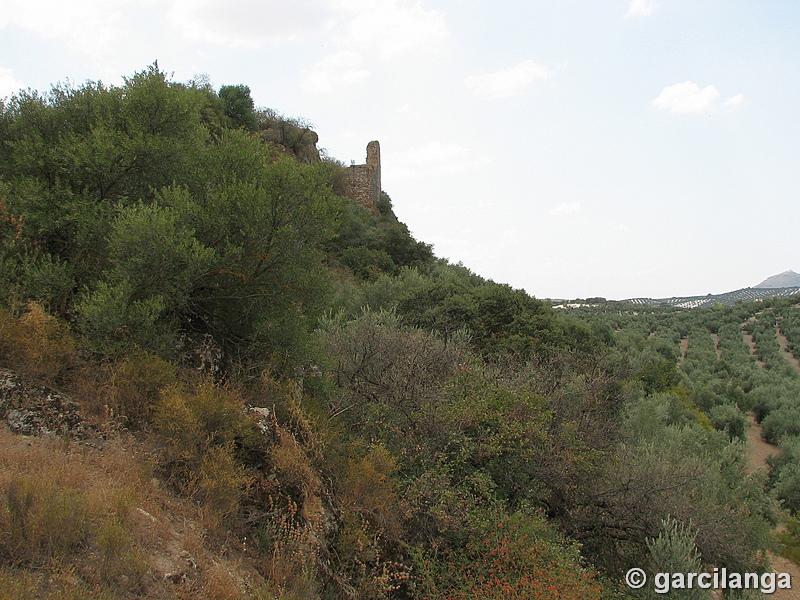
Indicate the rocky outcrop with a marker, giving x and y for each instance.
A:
(292, 138)
(32, 409)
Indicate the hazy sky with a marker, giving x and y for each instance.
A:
(573, 148)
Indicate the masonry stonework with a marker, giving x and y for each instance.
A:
(364, 181)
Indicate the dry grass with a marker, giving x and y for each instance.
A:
(92, 519)
(134, 387)
(80, 522)
(64, 504)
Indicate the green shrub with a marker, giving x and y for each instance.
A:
(207, 435)
(787, 487)
(221, 483)
(113, 322)
(782, 422)
(728, 418)
(155, 262)
(674, 551)
(367, 263)
(120, 559)
(517, 556)
(789, 539)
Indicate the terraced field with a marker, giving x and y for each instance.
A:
(736, 370)
(728, 298)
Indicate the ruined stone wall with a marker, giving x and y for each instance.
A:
(364, 181)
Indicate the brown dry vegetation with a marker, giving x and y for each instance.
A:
(142, 504)
(88, 520)
(174, 489)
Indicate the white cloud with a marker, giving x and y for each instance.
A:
(687, 97)
(565, 208)
(88, 26)
(342, 67)
(640, 8)
(390, 28)
(247, 23)
(435, 157)
(508, 82)
(9, 84)
(94, 26)
(734, 102)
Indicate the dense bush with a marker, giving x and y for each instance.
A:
(160, 217)
(500, 320)
(781, 422)
(371, 422)
(517, 556)
(36, 344)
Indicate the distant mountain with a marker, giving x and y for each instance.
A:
(743, 295)
(784, 284)
(783, 280)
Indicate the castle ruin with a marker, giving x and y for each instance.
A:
(364, 181)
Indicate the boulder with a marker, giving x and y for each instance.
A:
(32, 409)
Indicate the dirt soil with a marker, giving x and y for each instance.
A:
(684, 348)
(718, 350)
(784, 344)
(748, 339)
(759, 451)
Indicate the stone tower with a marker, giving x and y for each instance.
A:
(364, 181)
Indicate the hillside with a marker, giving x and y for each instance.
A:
(732, 360)
(782, 280)
(227, 376)
(272, 367)
(728, 298)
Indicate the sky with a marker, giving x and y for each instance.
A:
(573, 148)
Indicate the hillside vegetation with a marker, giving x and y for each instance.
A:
(263, 391)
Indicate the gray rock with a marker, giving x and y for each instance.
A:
(23, 422)
(33, 409)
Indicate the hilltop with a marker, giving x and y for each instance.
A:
(777, 286)
(782, 280)
(263, 385)
(230, 373)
